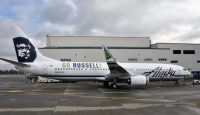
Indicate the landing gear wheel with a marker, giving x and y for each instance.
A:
(129, 81)
(177, 82)
(114, 85)
(106, 84)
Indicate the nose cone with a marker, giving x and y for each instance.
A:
(189, 74)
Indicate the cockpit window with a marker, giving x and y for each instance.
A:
(184, 69)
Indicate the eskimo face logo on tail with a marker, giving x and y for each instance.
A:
(25, 50)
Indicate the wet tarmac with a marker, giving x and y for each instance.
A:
(17, 97)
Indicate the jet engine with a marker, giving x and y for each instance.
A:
(138, 80)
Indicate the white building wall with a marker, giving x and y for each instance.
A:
(186, 60)
(122, 55)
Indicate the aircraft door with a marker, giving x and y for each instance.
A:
(45, 70)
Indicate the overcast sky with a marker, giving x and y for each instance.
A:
(161, 20)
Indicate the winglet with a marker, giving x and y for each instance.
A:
(108, 55)
(114, 67)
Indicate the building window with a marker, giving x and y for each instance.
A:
(174, 61)
(188, 52)
(198, 61)
(148, 59)
(65, 59)
(162, 59)
(132, 59)
(176, 51)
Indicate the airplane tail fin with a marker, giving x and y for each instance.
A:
(26, 51)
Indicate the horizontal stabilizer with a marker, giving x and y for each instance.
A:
(14, 62)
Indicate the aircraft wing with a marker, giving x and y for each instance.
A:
(115, 68)
(14, 62)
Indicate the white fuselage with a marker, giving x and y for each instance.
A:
(99, 70)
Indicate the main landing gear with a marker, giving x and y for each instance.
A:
(177, 82)
(112, 85)
(106, 84)
(32, 79)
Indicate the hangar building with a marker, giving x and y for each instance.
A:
(124, 49)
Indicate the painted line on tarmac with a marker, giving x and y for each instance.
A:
(123, 106)
(79, 108)
(116, 92)
(15, 91)
(12, 99)
(25, 109)
(68, 92)
(12, 91)
(75, 93)
(97, 97)
(120, 98)
(157, 100)
(192, 108)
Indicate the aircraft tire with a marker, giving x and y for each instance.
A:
(114, 85)
(106, 84)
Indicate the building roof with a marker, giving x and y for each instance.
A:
(97, 41)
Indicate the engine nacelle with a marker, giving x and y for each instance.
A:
(138, 80)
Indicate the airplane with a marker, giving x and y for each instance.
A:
(111, 72)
